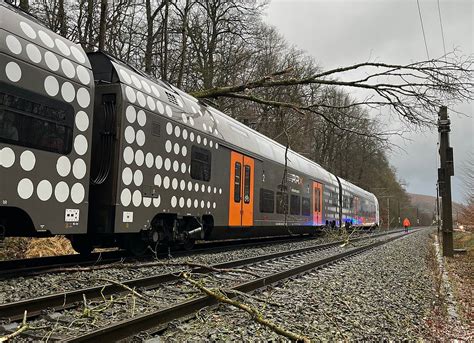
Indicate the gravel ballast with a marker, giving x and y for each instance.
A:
(20, 288)
(383, 294)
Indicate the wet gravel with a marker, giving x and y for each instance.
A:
(384, 294)
(20, 288)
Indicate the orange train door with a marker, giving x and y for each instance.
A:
(318, 203)
(241, 190)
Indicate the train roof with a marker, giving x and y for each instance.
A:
(27, 28)
(143, 90)
(355, 189)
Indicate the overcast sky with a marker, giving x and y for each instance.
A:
(338, 33)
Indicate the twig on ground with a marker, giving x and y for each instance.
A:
(256, 315)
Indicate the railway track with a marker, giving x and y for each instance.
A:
(271, 268)
(42, 265)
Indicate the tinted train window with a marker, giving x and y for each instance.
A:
(267, 200)
(34, 121)
(282, 202)
(237, 178)
(295, 204)
(317, 200)
(247, 184)
(200, 164)
(306, 207)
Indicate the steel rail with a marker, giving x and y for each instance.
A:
(129, 327)
(41, 265)
(15, 310)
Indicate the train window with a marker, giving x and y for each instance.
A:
(200, 163)
(317, 200)
(237, 177)
(295, 204)
(31, 120)
(247, 184)
(282, 202)
(267, 201)
(306, 207)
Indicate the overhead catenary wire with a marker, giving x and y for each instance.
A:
(423, 28)
(442, 30)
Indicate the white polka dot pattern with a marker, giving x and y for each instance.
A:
(158, 162)
(68, 68)
(141, 99)
(149, 160)
(137, 198)
(80, 145)
(141, 118)
(128, 155)
(125, 197)
(25, 188)
(139, 158)
(129, 134)
(83, 97)
(46, 39)
(27, 160)
(28, 30)
(13, 71)
(78, 55)
(140, 137)
(62, 47)
(51, 85)
(127, 176)
(51, 61)
(166, 182)
(82, 121)
(63, 166)
(83, 75)
(79, 169)
(67, 91)
(138, 178)
(77, 193)
(61, 191)
(44, 190)
(13, 44)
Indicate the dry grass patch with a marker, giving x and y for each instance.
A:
(20, 247)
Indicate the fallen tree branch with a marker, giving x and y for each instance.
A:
(24, 326)
(256, 315)
(154, 264)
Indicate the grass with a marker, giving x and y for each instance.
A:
(20, 247)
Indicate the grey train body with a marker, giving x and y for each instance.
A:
(95, 150)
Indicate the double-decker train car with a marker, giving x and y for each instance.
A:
(100, 152)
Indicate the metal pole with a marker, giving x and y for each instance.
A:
(444, 179)
(388, 213)
(438, 222)
(399, 219)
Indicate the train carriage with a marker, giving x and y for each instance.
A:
(134, 161)
(46, 91)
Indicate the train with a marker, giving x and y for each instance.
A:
(98, 151)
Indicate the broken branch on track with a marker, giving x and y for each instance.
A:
(255, 314)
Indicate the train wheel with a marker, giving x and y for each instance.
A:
(188, 243)
(81, 244)
(136, 245)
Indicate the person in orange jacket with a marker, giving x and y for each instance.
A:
(406, 224)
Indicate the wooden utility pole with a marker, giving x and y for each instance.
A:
(445, 172)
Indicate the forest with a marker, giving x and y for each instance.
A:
(223, 52)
